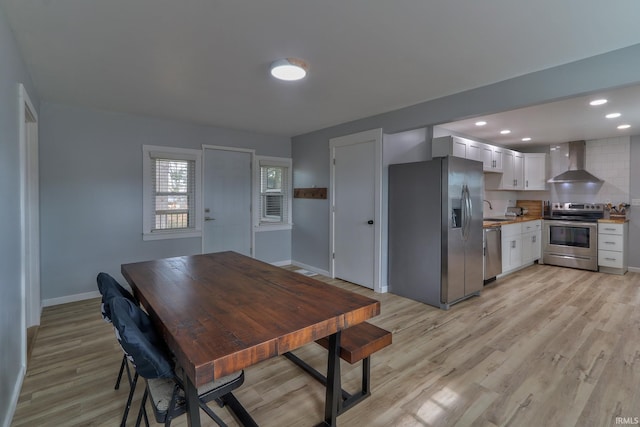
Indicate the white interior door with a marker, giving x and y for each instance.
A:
(227, 201)
(356, 207)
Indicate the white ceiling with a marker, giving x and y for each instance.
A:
(207, 61)
(561, 121)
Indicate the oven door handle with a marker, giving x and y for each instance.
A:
(593, 225)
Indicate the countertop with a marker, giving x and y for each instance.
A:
(509, 220)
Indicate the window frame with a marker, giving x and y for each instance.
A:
(150, 152)
(267, 161)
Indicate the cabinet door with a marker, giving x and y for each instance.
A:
(507, 182)
(531, 247)
(518, 171)
(459, 148)
(487, 158)
(537, 245)
(535, 166)
(511, 247)
(497, 159)
(474, 150)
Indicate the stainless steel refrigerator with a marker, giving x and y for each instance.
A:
(435, 230)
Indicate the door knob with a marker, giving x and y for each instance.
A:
(370, 222)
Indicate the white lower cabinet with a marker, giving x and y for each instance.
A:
(511, 247)
(613, 247)
(531, 241)
(521, 244)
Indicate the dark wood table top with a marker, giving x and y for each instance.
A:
(223, 312)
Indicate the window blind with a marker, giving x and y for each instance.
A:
(274, 195)
(173, 194)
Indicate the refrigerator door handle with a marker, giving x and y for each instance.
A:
(463, 208)
(470, 207)
(467, 212)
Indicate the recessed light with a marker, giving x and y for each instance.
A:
(613, 115)
(526, 139)
(505, 131)
(289, 69)
(481, 123)
(624, 126)
(598, 102)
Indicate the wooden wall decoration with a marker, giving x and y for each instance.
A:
(310, 193)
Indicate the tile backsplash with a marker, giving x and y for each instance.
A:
(609, 160)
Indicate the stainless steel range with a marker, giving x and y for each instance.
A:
(570, 235)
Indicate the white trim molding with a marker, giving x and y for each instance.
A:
(310, 268)
(70, 298)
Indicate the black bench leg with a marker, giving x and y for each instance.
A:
(366, 387)
(333, 396)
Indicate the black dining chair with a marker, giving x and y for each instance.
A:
(110, 288)
(153, 361)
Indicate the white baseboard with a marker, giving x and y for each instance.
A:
(311, 268)
(282, 263)
(70, 298)
(8, 417)
(634, 269)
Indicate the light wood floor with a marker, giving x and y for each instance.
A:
(546, 346)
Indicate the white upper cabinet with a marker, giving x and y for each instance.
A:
(514, 170)
(520, 171)
(535, 171)
(474, 150)
(512, 176)
(490, 156)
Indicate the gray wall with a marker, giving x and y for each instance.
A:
(634, 193)
(310, 239)
(91, 192)
(12, 72)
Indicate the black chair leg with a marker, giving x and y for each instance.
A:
(142, 409)
(122, 365)
(129, 399)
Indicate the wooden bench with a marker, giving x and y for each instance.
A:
(357, 343)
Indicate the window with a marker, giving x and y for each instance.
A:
(274, 205)
(171, 193)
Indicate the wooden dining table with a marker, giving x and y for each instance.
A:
(223, 312)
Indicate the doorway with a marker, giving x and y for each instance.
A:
(227, 196)
(356, 188)
(30, 209)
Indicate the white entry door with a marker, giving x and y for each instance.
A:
(227, 201)
(356, 172)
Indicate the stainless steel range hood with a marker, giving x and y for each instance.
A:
(576, 172)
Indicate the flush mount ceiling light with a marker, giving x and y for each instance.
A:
(598, 102)
(613, 115)
(505, 132)
(526, 138)
(289, 69)
(481, 123)
(624, 126)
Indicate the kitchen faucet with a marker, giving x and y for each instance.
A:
(490, 207)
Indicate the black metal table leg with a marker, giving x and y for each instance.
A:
(333, 398)
(193, 406)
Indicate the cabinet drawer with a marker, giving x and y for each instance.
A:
(610, 259)
(611, 228)
(610, 242)
(510, 230)
(531, 226)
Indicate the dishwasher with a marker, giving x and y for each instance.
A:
(492, 253)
